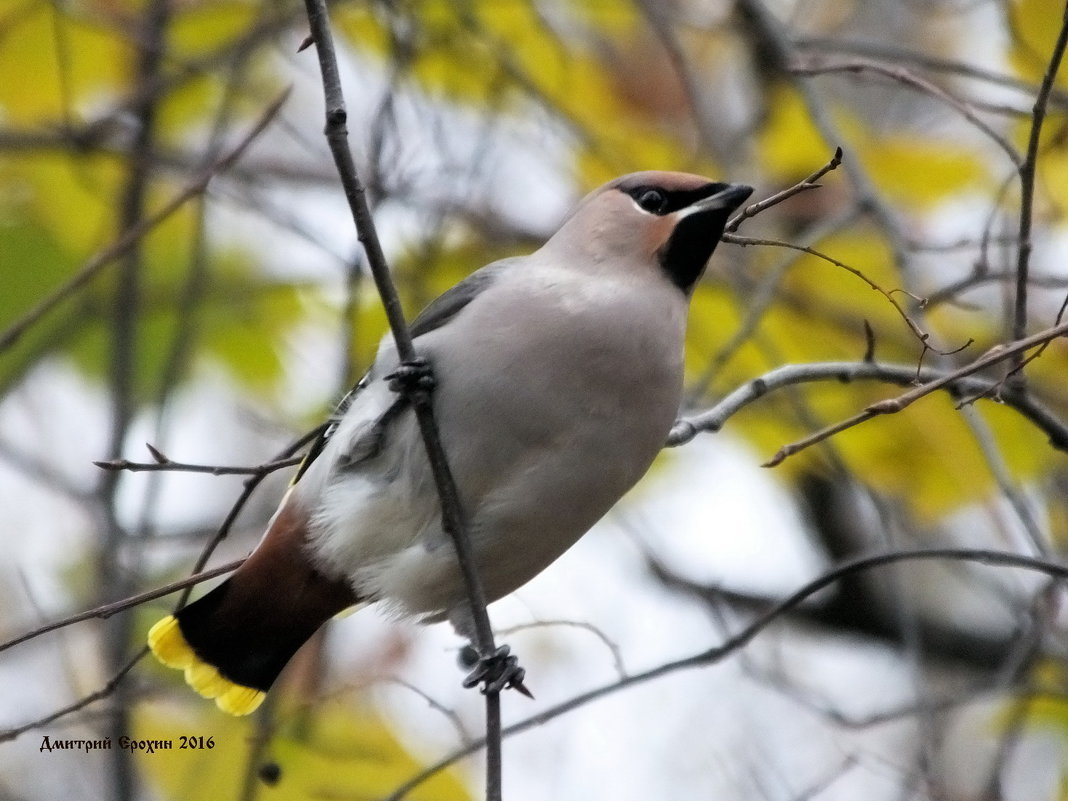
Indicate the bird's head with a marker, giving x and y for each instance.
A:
(670, 220)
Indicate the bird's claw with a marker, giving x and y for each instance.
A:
(499, 671)
(415, 375)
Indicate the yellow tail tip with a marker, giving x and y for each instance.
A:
(170, 647)
(239, 700)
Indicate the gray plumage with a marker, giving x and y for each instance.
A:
(558, 377)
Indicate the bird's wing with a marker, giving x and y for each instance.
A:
(439, 312)
(327, 429)
(452, 301)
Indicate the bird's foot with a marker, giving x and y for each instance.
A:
(498, 671)
(411, 376)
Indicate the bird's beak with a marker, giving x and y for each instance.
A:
(696, 232)
(727, 199)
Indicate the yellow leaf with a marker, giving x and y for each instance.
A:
(910, 168)
(56, 65)
(71, 197)
(790, 145)
(1035, 24)
(335, 751)
(918, 171)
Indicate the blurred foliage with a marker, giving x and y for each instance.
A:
(596, 76)
(499, 58)
(341, 751)
(511, 56)
(911, 169)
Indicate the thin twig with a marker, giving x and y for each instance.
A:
(713, 419)
(167, 465)
(448, 713)
(759, 298)
(894, 405)
(951, 292)
(914, 327)
(185, 585)
(107, 610)
(81, 703)
(773, 39)
(754, 209)
(134, 234)
(250, 485)
(813, 66)
(451, 509)
(901, 55)
(1027, 185)
(608, 642)
(995, 461)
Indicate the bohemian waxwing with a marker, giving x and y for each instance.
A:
(558, 377)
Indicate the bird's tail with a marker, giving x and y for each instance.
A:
(233, 642)
(170, 647)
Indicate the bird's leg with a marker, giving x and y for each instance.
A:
(415, 375)
(498, 671)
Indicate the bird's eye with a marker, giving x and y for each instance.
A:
(652, 200)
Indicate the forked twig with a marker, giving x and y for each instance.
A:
(894, 405)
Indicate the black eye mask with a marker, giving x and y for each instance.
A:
(659, 201)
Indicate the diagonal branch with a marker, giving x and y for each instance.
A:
(107, 610)
(896, 54)
(754, 209)
(714, 418)
(132, 235)
(105, 691)
(894, 405)
(813, 66)
(914, 327)
(164, 464)
(451, 510)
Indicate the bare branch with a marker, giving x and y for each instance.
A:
(813, 66)
(608, 642)
(774, 41)
(1027, 185)
(165, 464)
(758, 300)
(451, 509)
(251, 483)
(917, 331)
(754, 209)
(80, 704)
(107, 610)
(960, 382)
(1000, 471)
(899, 55)
(892, 405)
(337, 137)
(950, 292)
